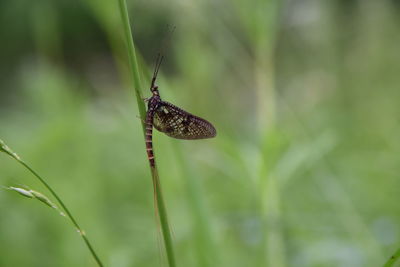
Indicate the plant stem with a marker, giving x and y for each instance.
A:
(163, 217)
(132, 61)
(74, 222)
(393, 259)
(160, 206)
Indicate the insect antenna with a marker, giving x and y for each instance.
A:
(159, 60)
(160, 56)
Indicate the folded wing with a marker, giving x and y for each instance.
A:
(177, 123)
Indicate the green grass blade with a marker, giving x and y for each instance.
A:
(4, 148)
(134, 69)
(160, 206)
(393, 259)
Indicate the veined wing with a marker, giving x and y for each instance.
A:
(177, 123)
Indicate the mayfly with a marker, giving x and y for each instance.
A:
(171, 120)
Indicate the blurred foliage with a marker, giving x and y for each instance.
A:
(304, 95)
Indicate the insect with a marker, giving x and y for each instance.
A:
(171, 120)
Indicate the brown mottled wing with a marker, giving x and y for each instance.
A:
(180, 124)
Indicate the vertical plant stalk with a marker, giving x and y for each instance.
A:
(393, 259)
(4, 148)
(266, 15)
(160, 206)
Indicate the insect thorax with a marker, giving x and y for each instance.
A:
(154, 102)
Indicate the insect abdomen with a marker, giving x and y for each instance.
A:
(149, 138)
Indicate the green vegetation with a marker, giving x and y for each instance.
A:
(44, 199)
(304, 170)
(159, 205)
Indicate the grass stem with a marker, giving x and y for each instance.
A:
(82, 233)
(393, 259)
(134, 69)
(74, 222)
(160, 206)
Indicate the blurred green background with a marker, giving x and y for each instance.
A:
(305, 98)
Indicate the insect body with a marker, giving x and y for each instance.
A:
(171, 120)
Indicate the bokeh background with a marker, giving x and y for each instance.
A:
(304, 95)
